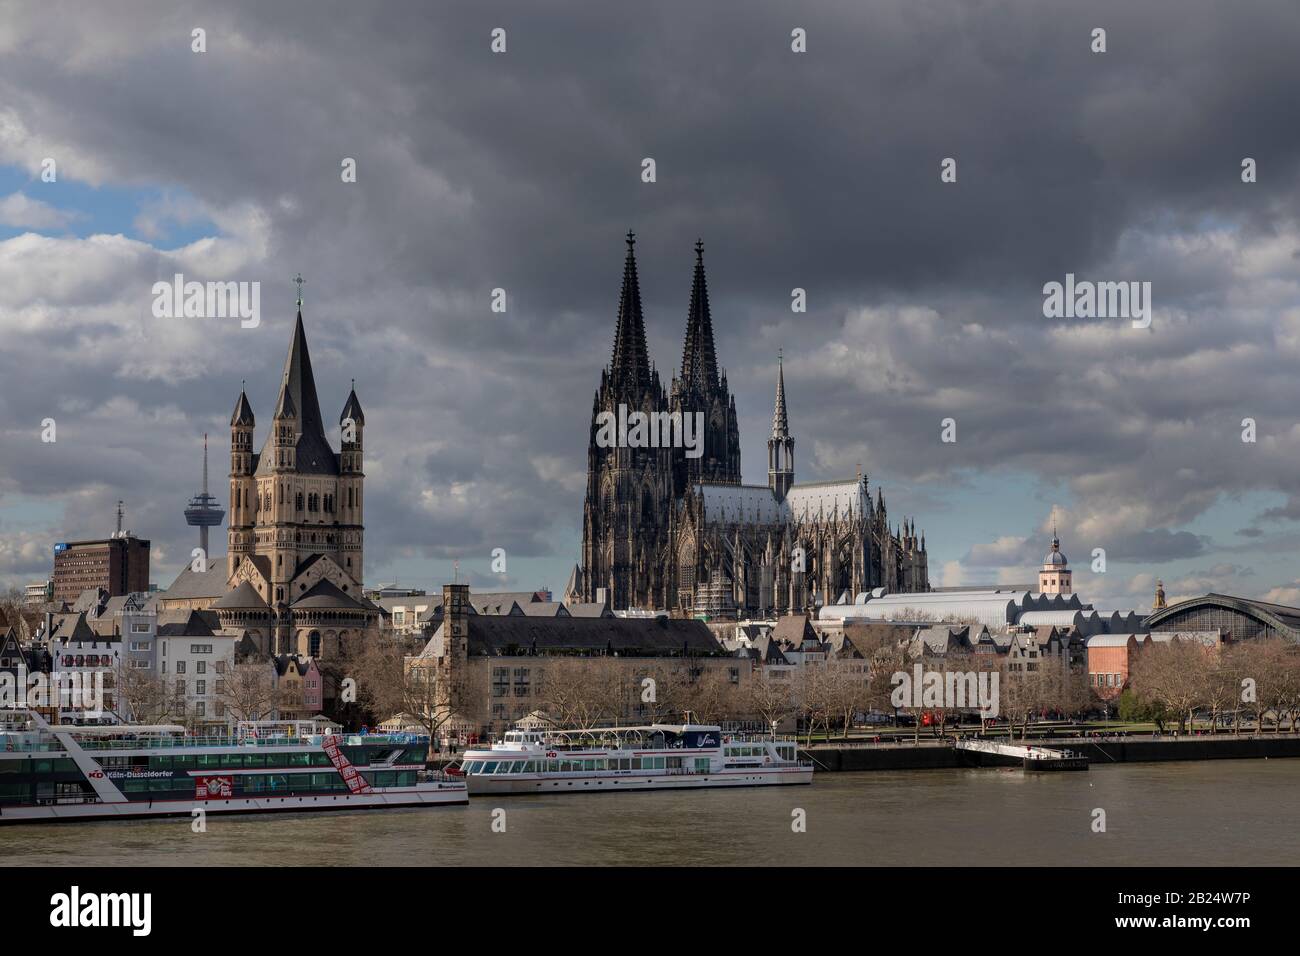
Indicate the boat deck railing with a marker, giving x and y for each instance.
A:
(181, 743)
(26, 747)
(578, 740)
(440, 777)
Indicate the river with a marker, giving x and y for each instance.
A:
(1224, 812)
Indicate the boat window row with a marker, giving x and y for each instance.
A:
(39, 765)
(567, 765)
(219, 761)
(272, 783)
(573, 765)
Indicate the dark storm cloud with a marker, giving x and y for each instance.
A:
(817, 170)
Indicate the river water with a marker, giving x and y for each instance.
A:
(1226, 812)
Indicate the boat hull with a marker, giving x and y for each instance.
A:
(594, 783)
(376, 800)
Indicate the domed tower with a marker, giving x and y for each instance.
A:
(1054, 576)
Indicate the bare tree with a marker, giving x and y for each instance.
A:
(1170, 674)
(1022, 693)
(670, 694)
(144, 697)
(770, 697)
(584, 692)
(815, 698)
(248, 692)
(12, 604)
(422, 689)
(1219, 686)
(709, 697)
(847, 690)
(888, 694)
(1236, 662)
(1287, 688)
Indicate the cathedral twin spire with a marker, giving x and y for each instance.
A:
(699, 358)
(700, 389)
(630, 364)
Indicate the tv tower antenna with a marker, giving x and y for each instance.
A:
(203, 511)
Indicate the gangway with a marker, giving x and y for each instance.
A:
(1029, 756)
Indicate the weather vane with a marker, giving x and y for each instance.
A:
(299, 280)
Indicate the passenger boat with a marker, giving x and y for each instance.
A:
(651, 757)
(103, 772)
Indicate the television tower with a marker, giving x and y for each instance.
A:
(203, 512)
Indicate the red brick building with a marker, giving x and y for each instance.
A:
(1109, 658)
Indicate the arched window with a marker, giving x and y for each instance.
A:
(313, 644)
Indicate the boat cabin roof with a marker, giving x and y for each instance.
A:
(114, 730)
(627, 728)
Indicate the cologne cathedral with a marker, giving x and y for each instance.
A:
(666, 531)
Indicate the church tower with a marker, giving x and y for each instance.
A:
(243, 501)
(701, 389)
(348, 505)
(1055, 576)
(780, 447)
(297, 498)
(629, 488)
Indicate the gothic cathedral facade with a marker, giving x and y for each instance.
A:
(663, 530)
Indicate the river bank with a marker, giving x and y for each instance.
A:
(940, 754)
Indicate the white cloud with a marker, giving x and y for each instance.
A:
(22, 212)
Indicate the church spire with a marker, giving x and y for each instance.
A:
(297, 399)
(780, 447)
(699, 358)
(780, 424)
(630, 364)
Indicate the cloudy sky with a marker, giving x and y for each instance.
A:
(522, 170)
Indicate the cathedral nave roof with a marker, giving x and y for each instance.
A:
(738, 504)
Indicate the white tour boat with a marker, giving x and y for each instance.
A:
(652, 757)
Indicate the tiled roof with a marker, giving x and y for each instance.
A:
(243, 598)
(326, 594)
(491, 634)
(190, 585)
